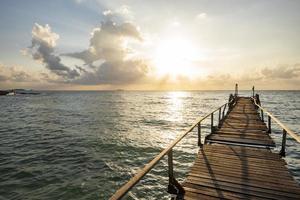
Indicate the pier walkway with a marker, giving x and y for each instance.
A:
(235, 161)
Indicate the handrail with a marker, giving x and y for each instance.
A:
(290, 132)
(142, 172)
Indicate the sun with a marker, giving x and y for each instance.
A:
(175, 56)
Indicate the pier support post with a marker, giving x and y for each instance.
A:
(282, 151)
(170, 166)
(199, 135)
(219, 124)
(174, 187)
(262, 115)
(212, 122)
(269, 124)
(223, 113)
(236, 92)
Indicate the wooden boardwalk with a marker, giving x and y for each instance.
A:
(236, 162)
(243, 126)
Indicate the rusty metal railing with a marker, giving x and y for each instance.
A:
(285, 129)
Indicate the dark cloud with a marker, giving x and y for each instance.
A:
(42, 48)
(87, 56)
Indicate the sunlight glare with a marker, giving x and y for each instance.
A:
(175, 56)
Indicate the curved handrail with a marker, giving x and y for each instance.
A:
(290, 132)
(142, 172)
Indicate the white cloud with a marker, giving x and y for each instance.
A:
(43, 34)
(201, 16)
(124, 12)
(108, 55)
(42, 49)
(14, 74)
(282, 72)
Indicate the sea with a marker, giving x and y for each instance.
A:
(86, 144)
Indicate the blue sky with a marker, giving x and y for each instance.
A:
(184, 43)
(70, 19)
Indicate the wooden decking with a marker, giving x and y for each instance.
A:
(243, 126)
(236, 162)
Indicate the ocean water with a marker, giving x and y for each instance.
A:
(85, 145)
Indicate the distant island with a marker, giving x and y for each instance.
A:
(18, 91)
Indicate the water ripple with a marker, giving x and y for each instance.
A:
(85, 145)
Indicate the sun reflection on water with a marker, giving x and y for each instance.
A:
(174, 111)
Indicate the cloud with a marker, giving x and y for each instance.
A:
(42, 49)
(109, 46)
(201, 16)
(107, 41)
(14, 74)
(117, 72)
(109, 58)
(20, 76)
(123, 11)
(3, 78)
(282, 72)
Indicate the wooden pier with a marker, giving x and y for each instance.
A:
(235, 161)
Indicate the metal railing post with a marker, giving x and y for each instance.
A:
(262, 115)
(282, 151)
(219, 117)
(269, 124)
(223, 113)
(199, 135)
(212, 122)
(170, 167)
(171, 188)
(174, 187)
(236, 93)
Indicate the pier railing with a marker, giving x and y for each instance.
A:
(285, 129)
(174, 187)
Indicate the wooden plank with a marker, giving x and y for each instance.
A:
(216, 138)
(245, 123)
(241, 169)
(266, 154)
(242, 133)
(196, 196)
(231, 158)
(222, 194)
(241, 130)
(255, 180)
(244, 136)
(278, 186)
(242, 189)
(254, 174)
(244, 127)
(240, 172)
(240, 166)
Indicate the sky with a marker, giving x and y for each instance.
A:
(149, 45)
